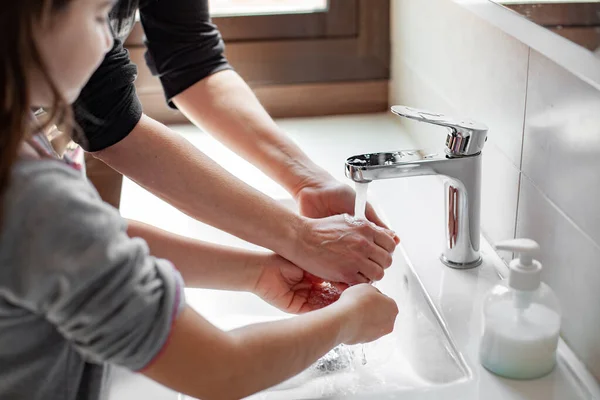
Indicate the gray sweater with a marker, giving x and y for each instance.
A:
(76, 293)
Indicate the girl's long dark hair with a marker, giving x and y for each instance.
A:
(19, 55)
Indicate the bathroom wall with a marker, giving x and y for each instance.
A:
(541, 164)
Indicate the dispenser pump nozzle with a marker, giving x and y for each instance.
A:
(526, 248)
(524, 270)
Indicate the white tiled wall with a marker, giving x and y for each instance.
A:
(561, 150)
(541, 168)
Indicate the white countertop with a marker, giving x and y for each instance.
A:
(414, 208)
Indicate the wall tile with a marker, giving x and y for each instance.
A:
(571, 267)
(500, 179)
(499, 195)
(542, 158)
(561, 152)
(478, 69)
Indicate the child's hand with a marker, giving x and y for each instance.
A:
(369, 314)
(291, 289)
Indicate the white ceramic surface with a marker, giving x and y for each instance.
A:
(416, 356)
(559, 129)
(499, 195)
(414, 208)
(561, 149)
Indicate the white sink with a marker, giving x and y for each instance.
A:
(418, 354)
(433, 351)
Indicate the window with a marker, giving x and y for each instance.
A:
(257, 7)
(333, 53)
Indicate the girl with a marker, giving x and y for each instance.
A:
(79, 289)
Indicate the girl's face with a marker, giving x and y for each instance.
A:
(72, 45)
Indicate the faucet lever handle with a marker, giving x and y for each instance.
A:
(466, 137)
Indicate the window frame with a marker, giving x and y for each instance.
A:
(338, 20)
(347, 44)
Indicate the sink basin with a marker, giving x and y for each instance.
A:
(418, 354)
(433, 352)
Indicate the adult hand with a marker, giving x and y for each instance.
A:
(342, 249)
(332, 197)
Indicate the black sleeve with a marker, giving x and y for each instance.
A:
(108, 108)
(184, 47)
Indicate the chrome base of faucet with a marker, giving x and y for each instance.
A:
(456, 265)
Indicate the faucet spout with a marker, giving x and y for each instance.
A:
(462, 188)
(459, 162)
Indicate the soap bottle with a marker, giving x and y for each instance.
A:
(521, 319)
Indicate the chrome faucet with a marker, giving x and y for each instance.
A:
(459, 161)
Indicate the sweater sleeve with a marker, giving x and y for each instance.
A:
(79, 269)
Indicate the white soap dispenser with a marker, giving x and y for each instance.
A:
(521, 319)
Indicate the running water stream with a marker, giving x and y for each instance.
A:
(360, 206)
